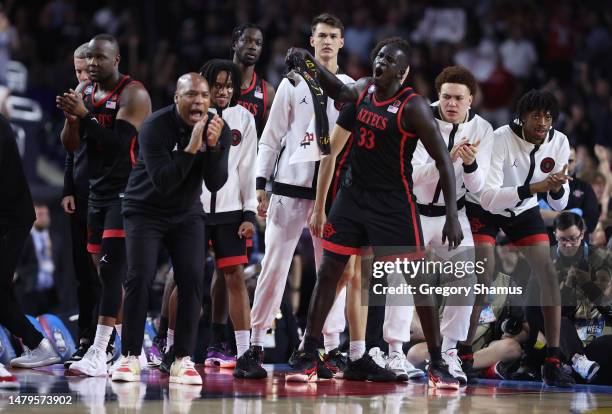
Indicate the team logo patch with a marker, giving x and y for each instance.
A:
(476, 225)
(328, 230)
(236, 137)
(547, 165)
(258, 92)
(394, 107)
(578, 193)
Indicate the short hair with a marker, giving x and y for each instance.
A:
(398, 42)
(567, 219)
(538, 100)
(81, 51)
(239, 30)
(457, 74)
(328, 19)
(213, 67)
(107, 38)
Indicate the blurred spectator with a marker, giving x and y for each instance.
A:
(36, 285)
(518, 54)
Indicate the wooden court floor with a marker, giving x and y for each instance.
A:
(221, 393)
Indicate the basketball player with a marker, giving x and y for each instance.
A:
(181, 145)
(110, 110)
(74, 203)
(469, 139)
(230, 212)
(530, 157)
(293, 191)
(256, 94)
(375, 205)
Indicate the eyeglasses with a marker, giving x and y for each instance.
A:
(570, 239)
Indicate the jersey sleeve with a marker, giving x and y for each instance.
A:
(423, 172)
(558, 200)
(474, 179)
(346, 117)
(246, 169)
(275, 130)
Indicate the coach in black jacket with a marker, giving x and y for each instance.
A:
(181, 145)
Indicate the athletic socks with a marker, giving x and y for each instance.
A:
(242, 341)
(331, 341)
(448, 343)
(170, 339)
(356, 350)
(258, 337)
(435, 353)
(103, 334)
(396, 346)
(464, 350)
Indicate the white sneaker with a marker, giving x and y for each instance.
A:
(127, 369)
(7, 380)
(144, 362)
(396, 363)
(183, 371)
(44, 354)
(93, 364)
(451, 358)
(378, 356)
(584, 367)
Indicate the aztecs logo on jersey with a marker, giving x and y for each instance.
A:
(236, 137)
(547, 165)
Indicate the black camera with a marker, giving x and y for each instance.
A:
(512, 326)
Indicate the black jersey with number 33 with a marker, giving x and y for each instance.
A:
(109, 166)
(382, 149)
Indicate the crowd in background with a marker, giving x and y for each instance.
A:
(510, 46)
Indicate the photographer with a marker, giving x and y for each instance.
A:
(584, 271)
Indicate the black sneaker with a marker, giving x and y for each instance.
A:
(526, 372)
(553, 374)
(324, 371)
(336, 362)
(439, 377)
(365, 369)
(167, 361)
(467, 365)
(249, 364)
(303, 367)
(78, 355)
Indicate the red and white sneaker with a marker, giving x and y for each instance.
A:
(127, 369)
(439, 377)
(183, 371)
(7, 380)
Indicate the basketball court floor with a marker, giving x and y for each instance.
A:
(221, 393)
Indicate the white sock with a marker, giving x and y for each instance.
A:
(170, 338)
(396, 346)
(118, 328)
(103, 334)
(356, 350)
(331, 341)
(448, 343)
(242, 341)
(258, 337)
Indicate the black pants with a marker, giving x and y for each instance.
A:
(11, 315)
(88, 282)
(184, 239)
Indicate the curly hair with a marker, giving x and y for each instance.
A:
(457, 74)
